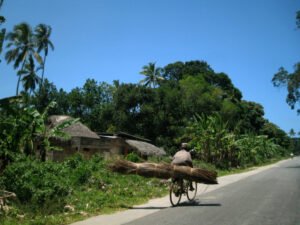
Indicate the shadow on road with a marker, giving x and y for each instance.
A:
(150, 207)
(183, 204)
(198, 203)
(292, 167)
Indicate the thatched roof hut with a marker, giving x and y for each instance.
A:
(74, 130)
(88, 143)
(145, 149)
(129, 143)
(82, 140)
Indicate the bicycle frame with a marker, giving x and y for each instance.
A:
(181, 187)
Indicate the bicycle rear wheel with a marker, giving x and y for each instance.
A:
(191, 194)
(175, 192)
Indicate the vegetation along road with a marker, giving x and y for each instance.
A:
(269, 197)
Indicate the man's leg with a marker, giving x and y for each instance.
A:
(190, 164)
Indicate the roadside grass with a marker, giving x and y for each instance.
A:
(92, 189)
(248, 167)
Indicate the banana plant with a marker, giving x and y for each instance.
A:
(21, 127)
(41, 133)
(212, 139)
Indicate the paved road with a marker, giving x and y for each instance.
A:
(271, 197)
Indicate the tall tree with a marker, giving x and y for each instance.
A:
(153, 75)
(3, 30)
(21, 45)
(30, 78)
(251, 118)
(43, 42)
(292, 133)
(290, 80)
(298, 19)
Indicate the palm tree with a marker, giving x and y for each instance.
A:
(42, 35)
(21, 46)
(3, 30)
(153, 75)
(292, 133)
(2, 35)
(30, 78)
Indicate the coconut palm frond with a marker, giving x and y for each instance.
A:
(153, 75)
(38, 58)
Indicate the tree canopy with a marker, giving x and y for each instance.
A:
(291, 81)
(163, 112)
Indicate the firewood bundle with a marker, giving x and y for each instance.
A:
(165, 171)
(4, 196)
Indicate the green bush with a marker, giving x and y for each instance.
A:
(80, 170)
(36, 182)
(74, 161)
(203, 165)
(133, 157)
(82, 173)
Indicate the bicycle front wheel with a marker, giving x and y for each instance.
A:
(191, 194)
(175, 193)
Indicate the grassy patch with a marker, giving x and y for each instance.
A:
(248, 168)
(87, 188)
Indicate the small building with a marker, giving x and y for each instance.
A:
(82, 140)
(86, 142)
(122, 144)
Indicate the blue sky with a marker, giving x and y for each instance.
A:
(113, 39)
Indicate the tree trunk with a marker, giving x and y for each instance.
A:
(18, 84)
(19, 79)
(42, 79)
(43, 152)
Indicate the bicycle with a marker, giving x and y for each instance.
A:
(181, 187)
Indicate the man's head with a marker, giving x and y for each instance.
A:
(184, 146)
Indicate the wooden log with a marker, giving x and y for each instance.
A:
(4, 196)
(165, 171)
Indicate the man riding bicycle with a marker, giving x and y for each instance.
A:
(183, 158)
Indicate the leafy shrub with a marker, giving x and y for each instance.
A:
(133, 157)
(80, 170)
(74, 161)
(36, 182)
(203, 165)
(82, 173)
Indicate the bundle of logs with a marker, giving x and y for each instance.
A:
(4, 196)
(165, 171)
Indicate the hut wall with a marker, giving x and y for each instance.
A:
(105, 146)
(60, 156)
(90, 146)
(111, 146)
